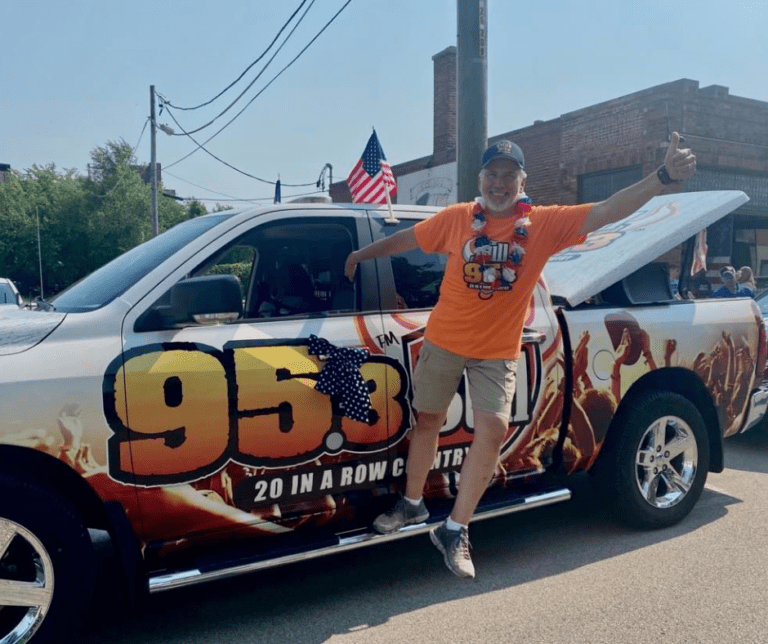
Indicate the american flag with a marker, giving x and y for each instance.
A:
(700, 253)
(372, 177)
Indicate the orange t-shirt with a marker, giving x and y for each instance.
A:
(490, 274)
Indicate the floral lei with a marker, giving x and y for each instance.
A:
(509, 267)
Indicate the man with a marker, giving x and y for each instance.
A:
(730, 287)
(497, 248)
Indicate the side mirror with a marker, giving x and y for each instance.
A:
(211, 299)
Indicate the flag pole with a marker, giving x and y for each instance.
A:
(390, 218)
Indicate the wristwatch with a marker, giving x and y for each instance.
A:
(663, 175)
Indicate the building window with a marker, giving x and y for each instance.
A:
(596, 186)
(755, 185)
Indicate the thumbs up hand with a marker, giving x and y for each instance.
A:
(680, 162)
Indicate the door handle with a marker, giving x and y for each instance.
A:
(531, 336)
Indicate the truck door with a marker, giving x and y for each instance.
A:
(224, 429)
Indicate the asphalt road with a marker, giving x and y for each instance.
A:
(562, 574)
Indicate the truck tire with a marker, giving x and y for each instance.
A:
(47, 564)
(655, 460)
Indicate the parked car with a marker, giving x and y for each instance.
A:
(174, 404)
(9, 294)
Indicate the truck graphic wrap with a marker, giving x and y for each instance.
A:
(254, 404)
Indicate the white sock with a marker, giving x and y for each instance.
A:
(412, 502)
(452, 525)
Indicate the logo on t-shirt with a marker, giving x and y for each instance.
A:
(490, 265)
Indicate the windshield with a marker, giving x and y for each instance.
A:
(113, 279)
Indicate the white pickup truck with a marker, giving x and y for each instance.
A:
(169, 398)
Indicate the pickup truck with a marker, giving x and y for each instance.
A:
(174, 398)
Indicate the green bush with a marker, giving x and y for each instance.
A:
(241, 270)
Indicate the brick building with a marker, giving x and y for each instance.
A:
(590, 153)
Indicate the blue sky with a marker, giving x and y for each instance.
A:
(76, 74)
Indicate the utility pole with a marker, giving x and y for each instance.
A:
(153, 164)
(472, 94)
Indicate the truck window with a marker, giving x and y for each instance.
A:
(288, 268)
(237, 261)
(417, 274)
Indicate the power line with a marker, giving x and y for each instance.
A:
(136, 147)
(247, 69)
(229, 197)
(229, 165)
(200, 145)
(268, 63)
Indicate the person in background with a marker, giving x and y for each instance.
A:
(698, 286)
(674, 281)
(746, 278)
(730, 287)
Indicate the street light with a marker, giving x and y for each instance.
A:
(321, 179)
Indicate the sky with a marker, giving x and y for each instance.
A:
(76, 74)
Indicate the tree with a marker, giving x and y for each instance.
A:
(107, 160)
(55, 200)
(17, 231)
(123, 202)
(84, 221)
(195, 209)
(119, 200)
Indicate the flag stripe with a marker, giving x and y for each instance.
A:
(370, 189)
(370, 192)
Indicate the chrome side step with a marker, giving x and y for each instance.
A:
(191, 577)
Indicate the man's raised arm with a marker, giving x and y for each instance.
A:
(679, 165)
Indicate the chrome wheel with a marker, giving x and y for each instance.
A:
(666, 462)
(26, 583)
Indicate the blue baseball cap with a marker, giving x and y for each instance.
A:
(503, 150)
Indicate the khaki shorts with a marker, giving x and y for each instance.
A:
(438, 374)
